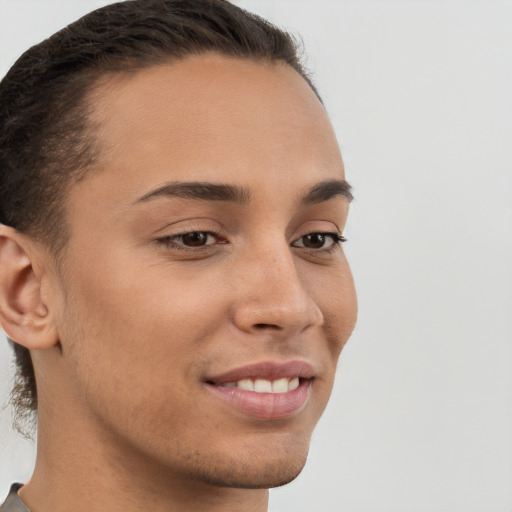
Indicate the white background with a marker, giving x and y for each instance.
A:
(420, 94)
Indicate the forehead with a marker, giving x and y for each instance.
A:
(226, 85)
(212, 118)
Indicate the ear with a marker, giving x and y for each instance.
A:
(24, 316)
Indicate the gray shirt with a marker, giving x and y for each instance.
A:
(13, 502)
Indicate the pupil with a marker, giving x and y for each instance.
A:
(315, 240)
(195, 239)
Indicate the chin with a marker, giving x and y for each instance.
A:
(266, 479)
(257, 473)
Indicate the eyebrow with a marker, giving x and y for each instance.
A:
(326, 190)
(200, 190)
(206, 191)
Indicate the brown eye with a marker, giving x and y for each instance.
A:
(319, 241)
(314, 240)
(195, 239)
(192, 240)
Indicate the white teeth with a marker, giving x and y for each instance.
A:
(262, 386)
(265, 386)
(294, 384)
(246, 384)
(280, 386)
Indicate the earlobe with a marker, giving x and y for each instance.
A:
(24, 316)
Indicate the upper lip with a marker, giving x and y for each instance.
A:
(268, 370)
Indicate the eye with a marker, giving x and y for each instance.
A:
(195, 239)
(191, 240)
(319, 241)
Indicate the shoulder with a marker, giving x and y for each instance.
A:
(13, 502)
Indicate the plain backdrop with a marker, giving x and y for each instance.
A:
(420, 94)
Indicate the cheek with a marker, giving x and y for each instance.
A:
(149, 318)
(126, 340)
(336, 297)
(134, 294)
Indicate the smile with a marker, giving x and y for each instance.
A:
(278, 386)
(267, 391)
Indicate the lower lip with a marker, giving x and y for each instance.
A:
(265, 405)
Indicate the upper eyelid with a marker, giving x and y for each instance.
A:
(321, 224)
(188, 226)
(190, 231)
(218, 227)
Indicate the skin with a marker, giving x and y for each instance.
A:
(127, 325)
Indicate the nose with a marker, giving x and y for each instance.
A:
(272, 295)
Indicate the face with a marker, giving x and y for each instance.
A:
(204, 296)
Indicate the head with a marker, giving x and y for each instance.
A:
(172, 197)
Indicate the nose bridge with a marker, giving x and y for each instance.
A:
(272, 293)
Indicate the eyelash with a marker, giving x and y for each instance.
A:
(337, 240)
(170, 242)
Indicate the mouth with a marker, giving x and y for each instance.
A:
(267, 390)
(278, 386)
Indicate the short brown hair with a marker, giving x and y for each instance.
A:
(46, 141)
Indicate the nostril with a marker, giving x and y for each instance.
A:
(268, 326)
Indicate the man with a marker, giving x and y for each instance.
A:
(171, 271)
